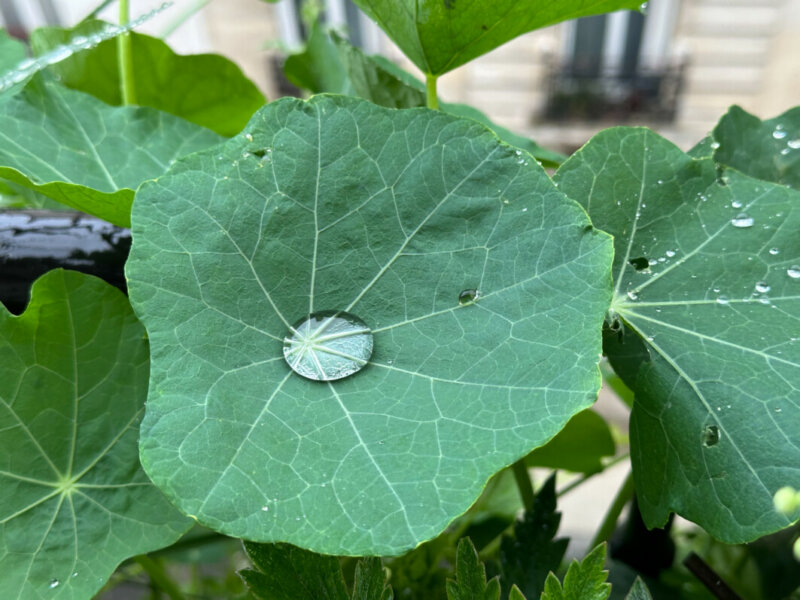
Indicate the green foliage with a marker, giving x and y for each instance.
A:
(470, 581)
(472, 28)
(712, 318)
(12, 52)
(286, 572)
(205, 89)
(639, 591)
(579, 447)
(389, 215)
(329, 63)
(74, 501)
(768, 150)
(81, 152)
(532, 552)
(585, 580)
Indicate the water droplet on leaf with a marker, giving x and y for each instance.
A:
(468, 296)
(779, 134)
(723, 300)
(711, 436)
(742, 220)
(794, 144)
(328, 345)
(793, 272)
(632, 295)
(774, 251)
(762, 287)
(54, 583)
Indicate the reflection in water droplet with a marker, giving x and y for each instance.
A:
(328, 345)
(793, 272)
(742, 220)
(762, 287)
(468, 296)
(54, 583)
(711, 435)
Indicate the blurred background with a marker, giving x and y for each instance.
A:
(675, 68)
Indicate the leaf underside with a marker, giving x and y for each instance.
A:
(74, 502)
(337, 204)
(707, 289)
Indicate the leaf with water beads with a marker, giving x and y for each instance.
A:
(706, 335)
(336, 204)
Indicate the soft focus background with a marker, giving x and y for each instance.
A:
(676, 68)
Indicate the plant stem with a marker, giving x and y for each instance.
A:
(524, 485)
(183, 17)
(709, 578)
(624, 494)
(430, 85)
(125, 56)
(158, 576)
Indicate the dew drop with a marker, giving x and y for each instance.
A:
(643, 8)
(670, 253)
(736, 204)
(723, 300)
(773, 251)
(75, 574)
(54, 583)
(328, 345)
(779, 134)
(468, 296)
(248, 137)
(742, 220)
(632, 295)
(714, 145)
(794, 144)
(711, 436)
(793, 272)
(762, 287)
(265, 508)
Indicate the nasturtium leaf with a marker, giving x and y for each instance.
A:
(532, 552)
(81, 152)
(74, 501)
(12, 53)
(440, 35)
(206, 89)
(336, 204)
(768, 150)
(584, 580)
(319, 69)
(707, 289)
(470, 576)
(579, 447)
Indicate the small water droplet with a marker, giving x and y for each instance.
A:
(660, 181)
(785, 151)
(468, 296)
(723, 300)
(742, 220)
(777, 410)
(524, 210)
(328, 345)
(778, 134)
(265, 508)
(793, 272)
(736, 204)
(248, 137)
(774, 251)
(711, 435)
(794, 144)
(54, 583)
(670, 253)
(762, 287)
(632, 295)
(75, 574)
(643, 10)
(714, 145)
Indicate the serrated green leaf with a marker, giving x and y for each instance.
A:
(379, 80)
(470, 577)
(717, 308)
(639, 591)
(286, 572)
(515, 594)
(370, 581)
(74, 502)
(532, 552)
(585, 580)
(579, 447)
(206, 89)
(81, 152)
(338, 204)
(768, 150)
(440, 35)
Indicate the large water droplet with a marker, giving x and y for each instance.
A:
(328, 345)
(711, 435)
(793, 272)
(794, 144)
(468, 296)
(779, 134)
(742, 220)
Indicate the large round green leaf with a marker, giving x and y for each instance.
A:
(74, 501)
(337, 204)
(707, 286)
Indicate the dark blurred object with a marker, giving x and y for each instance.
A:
(648, 551)
(780, 573)
(33, 242)
(710, 579)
